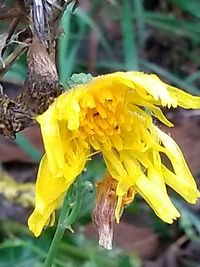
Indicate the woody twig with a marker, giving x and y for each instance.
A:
(41, 85)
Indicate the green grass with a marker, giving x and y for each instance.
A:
(132, 25)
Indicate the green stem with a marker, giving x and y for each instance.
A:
(57, 237)
(65, 220)
(54, 246)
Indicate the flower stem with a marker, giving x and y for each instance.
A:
(66, 218)
(57, 236)
(54, 246)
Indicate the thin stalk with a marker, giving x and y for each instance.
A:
(128, 37)
(59, 232)
(66, 218)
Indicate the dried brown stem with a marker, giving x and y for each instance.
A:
(12, 13)
(12, 28)
(41, 85)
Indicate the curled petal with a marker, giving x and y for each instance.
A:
(49, 192)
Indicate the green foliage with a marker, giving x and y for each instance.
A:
(189, 221)
(28, 147)
(127, 52)
(135, 22)
(190, 6)
(77, 79)
(128, 37)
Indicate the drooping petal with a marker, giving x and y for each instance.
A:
(37, 221)
(113, 114)
(68, 109)
(49, 192)
(175, 155)
(154, 86)
(52, 140)
(184, 99)
(187, 190)
(157, 199)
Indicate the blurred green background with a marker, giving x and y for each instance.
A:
(156, 36)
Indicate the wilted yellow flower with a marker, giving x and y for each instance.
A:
(113, 114)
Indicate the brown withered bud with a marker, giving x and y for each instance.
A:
(104, 213)
(41, 85)
(40, 89)
(108, 208)
(12, 117)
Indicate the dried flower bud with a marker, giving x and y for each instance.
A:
(107, 204)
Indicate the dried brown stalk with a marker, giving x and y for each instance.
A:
(41, 85)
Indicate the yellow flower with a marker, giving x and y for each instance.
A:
(113, 114)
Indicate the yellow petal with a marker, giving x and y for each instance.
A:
(37, 221)
(68, 109)
(49, 191)
(113, 163)
(184, 99)
(188, 191)
(52, 140)
(153, 85)
(157, 112)
(175, 155)
(157, 199)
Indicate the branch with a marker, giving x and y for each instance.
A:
(41, 86)
(11, 59)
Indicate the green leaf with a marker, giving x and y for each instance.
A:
(77, 79)
(189, 221)
(86, 18)
(63, 45)
(191, 6)
(140, 21)
(170, 23)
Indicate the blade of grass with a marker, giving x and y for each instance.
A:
(140, 21)
(191, 6)
(173, 25)
(84, 17)
(189, 221)
(193, 77)
(128, 37)
(28, 147)
(70, 61)
(112, 65)
(63, 45)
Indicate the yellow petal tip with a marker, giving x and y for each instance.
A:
(36, 223)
